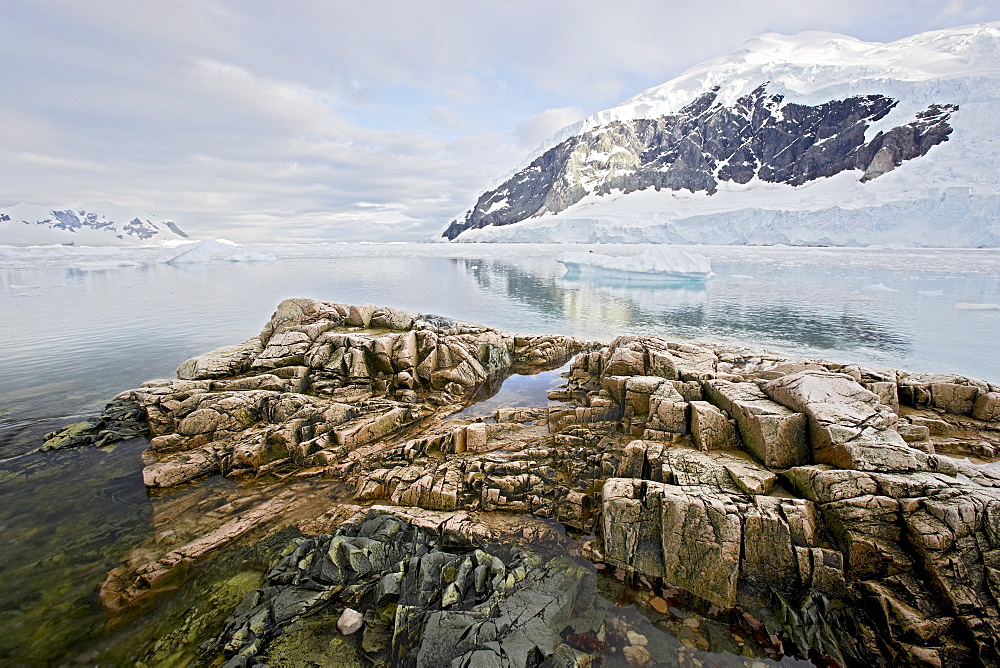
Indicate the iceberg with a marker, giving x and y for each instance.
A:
(880, 287)
(664, 265)
(207, 250)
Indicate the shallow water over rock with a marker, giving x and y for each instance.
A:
(67, 517)
(515, 390)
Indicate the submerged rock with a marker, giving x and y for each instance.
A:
(823, 496)
(122, 419)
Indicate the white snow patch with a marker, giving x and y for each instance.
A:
(496, 206)
(815, 67)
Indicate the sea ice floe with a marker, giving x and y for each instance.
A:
(967, 306)
(207, 250)
(110, 264)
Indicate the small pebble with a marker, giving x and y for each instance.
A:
(350, 622)
(658, 604)
(636, 638)
(636, 656)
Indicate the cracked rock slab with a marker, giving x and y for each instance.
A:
(847, 424)
(772, 433)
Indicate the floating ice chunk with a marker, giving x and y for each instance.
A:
(931, 293)
(100, 266)
(880, 287)
(250, 256)
(207, 250)
(967, 306)
(656, 264)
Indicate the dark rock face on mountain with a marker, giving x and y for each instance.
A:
(707, 143)
(752, 502)
(135, 227)
(176, 230)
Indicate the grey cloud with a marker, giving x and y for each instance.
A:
(446, 118)
(251, 120)
(532, 131)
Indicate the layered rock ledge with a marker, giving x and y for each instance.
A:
(856, 511)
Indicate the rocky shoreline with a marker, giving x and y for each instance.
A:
(828, 512)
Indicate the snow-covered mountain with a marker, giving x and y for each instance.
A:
(814, 138)
(100, 224)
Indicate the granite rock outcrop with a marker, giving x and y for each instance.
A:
(855, 511)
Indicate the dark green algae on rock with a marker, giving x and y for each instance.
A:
(122, 419)
(432, 599)
(751, 506)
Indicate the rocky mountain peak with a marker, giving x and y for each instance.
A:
(773, 124)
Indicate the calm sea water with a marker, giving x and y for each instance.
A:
(78, 327)
(75, 331)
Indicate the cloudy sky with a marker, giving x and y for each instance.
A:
(346, 120)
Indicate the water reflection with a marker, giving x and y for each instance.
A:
(73, 338)
(769, 311)
(516, 391)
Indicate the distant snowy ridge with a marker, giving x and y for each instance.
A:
(100, 224)
(184, 254)
(807, 139)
